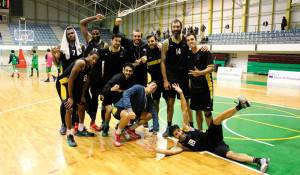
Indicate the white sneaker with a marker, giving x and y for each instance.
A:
(264, 163)
(243, 101)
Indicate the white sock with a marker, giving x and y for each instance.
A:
(80, 126)
(133, 127)
(69, 132)
(119, 131)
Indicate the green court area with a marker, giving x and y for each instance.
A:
(261, 131)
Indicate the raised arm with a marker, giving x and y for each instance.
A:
(167, 85)
(175, 150)
(83, 26)
(184, 108)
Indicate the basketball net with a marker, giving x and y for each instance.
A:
(25, 40)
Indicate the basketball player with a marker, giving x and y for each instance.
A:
(35, 62)
(63, 56)
(200, 66)
(13, 59)
(93, 43)
(71, 86)
(48, 59)
(210, 140)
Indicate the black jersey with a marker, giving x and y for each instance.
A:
(176, 60)
(113, 62)
(94, 47)
(153, 63)
(195, 140)
(81, 77)
(201, 60)
(65, 63)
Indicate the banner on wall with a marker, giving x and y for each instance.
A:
(229, 73)
(284, 79)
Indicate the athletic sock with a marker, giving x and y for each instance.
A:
(238, 107)
(93, 117)
(119, 131)
(169, 124)
(133, 127)
(106, 123)
(192, 124)
(256, 160)
(80, 126)
(69, 132)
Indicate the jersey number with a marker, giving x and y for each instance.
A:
(192, 142)
(73, 52)
(84, 78)
(95, 49)
(178, 51)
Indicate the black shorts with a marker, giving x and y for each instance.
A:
(201, 99)
(160, 90)
(184, 85)
(216, 143)
(117, 111)
(62, 90)
(110, 99)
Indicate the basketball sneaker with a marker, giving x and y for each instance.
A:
(166, 133)
(105, 131)
(117, 142)
(132, 133)
(84, 132)
(94, 126)
(243, 101)
(145, 125)
(264, 163)
(63, 130)
(71, 141)
(102, 125)
(47, 80)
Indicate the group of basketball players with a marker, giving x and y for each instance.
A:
(119, 74)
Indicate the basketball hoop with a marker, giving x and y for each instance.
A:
(24, 40)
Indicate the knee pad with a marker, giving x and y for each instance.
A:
(208, 115)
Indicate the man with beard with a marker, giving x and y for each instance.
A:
(136, 49)
(71, 86)
(210, 140)
(113, 91)
(201, 66)
(174, 68)
(153, 63)
(63, 56)
(93, 43)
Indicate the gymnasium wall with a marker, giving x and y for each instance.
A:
(258, 12)
(54, 12)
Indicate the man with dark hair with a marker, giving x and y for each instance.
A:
(71, 86)
(63, 56)
(153, 63)
(113, 91)
(283, 23)
(48, 60)
(200, 66)
(35, 63)
(210, 140)
(136, 49)
(93, 43)
(136, 104)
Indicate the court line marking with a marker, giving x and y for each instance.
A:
(28, 105)
(260, 102)
(234, 162)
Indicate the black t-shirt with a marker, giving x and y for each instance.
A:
(153, 63)
(176, 60)
(113, 62)
(94, 47)
(201, 60)
(65, 63)
(195, 140)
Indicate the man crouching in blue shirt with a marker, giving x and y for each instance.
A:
(136, 104)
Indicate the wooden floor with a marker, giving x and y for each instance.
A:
(30, 142)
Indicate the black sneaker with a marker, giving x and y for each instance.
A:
(166, 133)
(71, 141)
(264, 163)
(105, 131)
(243, 101)
(84, 132)
(47, 80)
(63, 129)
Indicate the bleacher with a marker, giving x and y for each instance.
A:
(105, 34)
(263, 37)
(43, 34)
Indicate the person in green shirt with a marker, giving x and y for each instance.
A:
(14, 60)
(35, 62)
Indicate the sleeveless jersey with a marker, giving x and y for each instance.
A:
(73, 56)
(35, 59)
(14, 59)
(176, 60)
(195, 140)
(49, 60)
(94, 47)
